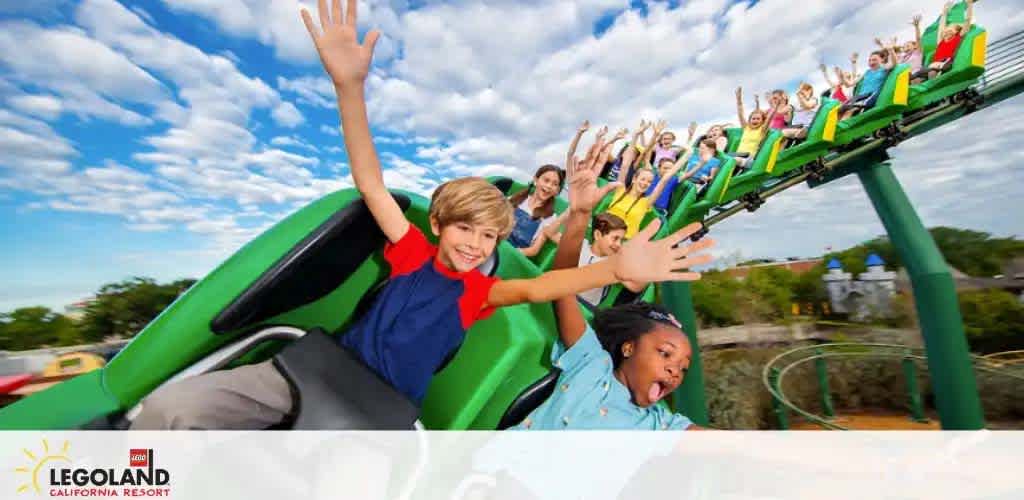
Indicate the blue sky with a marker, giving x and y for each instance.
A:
(154, 138)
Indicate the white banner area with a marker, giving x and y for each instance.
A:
(511, 465)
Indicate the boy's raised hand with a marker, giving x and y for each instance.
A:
(344, 59)
(645, 261)
(584, 194)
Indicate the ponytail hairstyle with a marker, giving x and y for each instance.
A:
(606, 223)
(627, 323)
(548, 208)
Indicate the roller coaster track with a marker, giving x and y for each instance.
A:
(785, 362)
(1007, 359)
(1003, 79)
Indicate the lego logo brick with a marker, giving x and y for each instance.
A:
(138, 458)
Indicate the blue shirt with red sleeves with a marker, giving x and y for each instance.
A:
(420, 316)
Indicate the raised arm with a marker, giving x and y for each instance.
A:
(663, 181)
(621, 134)
(824, 72)
(969, 20)
(853, 65)
(683, 160)
(890, 61)
(649, 146)
(347, 62)
(942, 18)
(916, 22)
(576, 139)
(739, 107)
(571, 324)
(629, 155)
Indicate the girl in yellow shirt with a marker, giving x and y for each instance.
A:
(630, 203)
(754, 129)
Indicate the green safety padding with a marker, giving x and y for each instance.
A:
(891, 102)
(813, 147)
(686, 208)
(751, 178)
(67, 405)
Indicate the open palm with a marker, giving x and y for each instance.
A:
(343, 57)
(584, 193)
(644, 261)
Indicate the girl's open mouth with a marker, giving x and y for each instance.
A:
(657, 391)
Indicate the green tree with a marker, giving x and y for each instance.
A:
(993, 320)
(715, 299)
(124, 308)
(33, 327)
(772, 289)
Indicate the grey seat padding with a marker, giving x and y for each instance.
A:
(334, 390)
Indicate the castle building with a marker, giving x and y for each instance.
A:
(869, 295)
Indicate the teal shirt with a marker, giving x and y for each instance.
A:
(588, 395)
(872, 81)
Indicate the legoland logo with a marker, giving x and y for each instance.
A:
(45, 476)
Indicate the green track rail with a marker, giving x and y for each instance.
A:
(785, 362)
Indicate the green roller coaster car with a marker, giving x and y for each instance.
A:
(891, 103)
(820, 136)
(312, 269)
(763, 166)
(968, 63)
(687, 207)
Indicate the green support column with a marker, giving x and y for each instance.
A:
(780, 410)
(949, 362)
(913, 392)
(823, 388)
(689, 397)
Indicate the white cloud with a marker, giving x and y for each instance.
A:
(30, 145)
(311, 90)
(287, 115)
(329, 130)
(42, 106)
(88, 75)
(296, 142)
(276, 23)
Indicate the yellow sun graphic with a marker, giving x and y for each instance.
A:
(36, 464)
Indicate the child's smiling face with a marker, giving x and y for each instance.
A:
(610, 243)
(756, 119)
(464, 246)
(642, 180)
(547, 185)
(655, 365)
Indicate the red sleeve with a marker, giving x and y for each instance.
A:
(471, 304)
(408, 253)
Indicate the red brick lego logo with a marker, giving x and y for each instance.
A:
(138, 458)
